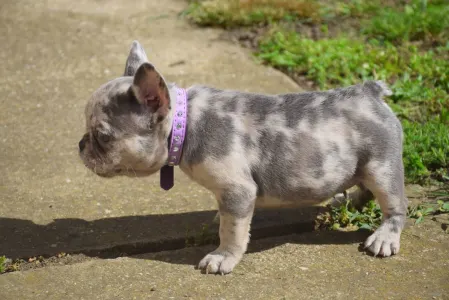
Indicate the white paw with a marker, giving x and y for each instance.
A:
(218, 262)
(383, 242)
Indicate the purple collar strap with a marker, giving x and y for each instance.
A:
(176, 140)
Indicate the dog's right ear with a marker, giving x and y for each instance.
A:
(151, 90)
(135, 59)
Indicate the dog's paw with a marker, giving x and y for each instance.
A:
(383, 242)
(218, 262)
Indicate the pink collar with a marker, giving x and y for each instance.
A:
(176, 140)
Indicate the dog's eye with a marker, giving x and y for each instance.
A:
(104, 137)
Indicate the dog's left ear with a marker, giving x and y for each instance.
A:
(136, 58)
(151, 90)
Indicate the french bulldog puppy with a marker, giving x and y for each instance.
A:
(252, 149)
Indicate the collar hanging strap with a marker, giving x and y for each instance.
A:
(167, 177)
(176, 141)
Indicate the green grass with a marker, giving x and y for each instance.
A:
(341, 61)
(234, 13)
(426, 151)
(328, 62)
(415, 100)
(418, 21)
(329, 10)
(238, 13)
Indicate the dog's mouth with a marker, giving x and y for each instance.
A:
(100, 169)
(101, 172)
(120, 172)
(129, 172)
(108, 171)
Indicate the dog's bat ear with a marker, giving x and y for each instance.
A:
(151, 90)
(135, 59)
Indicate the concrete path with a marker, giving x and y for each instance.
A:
(316, 265)
(54, 53)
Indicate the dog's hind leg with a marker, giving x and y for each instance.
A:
(386, 181)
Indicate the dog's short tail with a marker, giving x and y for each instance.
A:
(377, 88)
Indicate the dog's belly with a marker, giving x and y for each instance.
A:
(303, 196)
(275, 202)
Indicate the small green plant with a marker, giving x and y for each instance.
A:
(443, 206)
(347, 216)
(2, 264)
(12, 265)
(418, 212)
(370, 216)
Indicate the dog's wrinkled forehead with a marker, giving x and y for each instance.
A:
(114, 108)
(112, 104)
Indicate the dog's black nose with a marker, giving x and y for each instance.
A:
(82, 144)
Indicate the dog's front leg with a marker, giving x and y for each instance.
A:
(236, 209)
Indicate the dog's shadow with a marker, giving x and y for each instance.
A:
(136, 235)
(191, 256)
